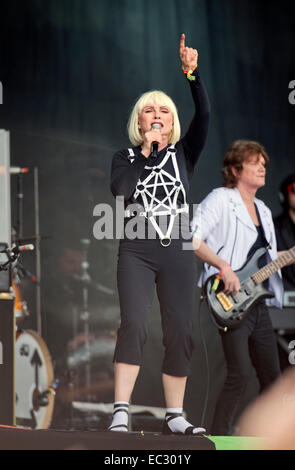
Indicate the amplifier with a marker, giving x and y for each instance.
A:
(7, 361)
(5, 197)
(282, 319)
(289, 298)
(5, 276)
(5, 207)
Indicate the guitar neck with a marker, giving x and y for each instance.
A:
(269, 269)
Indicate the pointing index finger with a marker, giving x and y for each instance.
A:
(182, 42)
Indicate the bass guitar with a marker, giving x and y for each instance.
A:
(230, 310)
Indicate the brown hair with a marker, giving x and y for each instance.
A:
(237, 153)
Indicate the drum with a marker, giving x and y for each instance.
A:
(20, 305)
(33, 378)
(87, 371)
(101, 352)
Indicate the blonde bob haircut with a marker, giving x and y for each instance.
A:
(146, 99)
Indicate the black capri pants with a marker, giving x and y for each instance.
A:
(142, 265)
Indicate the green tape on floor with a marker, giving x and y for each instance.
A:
(237, 443)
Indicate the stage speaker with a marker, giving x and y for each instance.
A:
(5, 207)
(7, 360)
(5, 275)
(5, 204)
(7, 322)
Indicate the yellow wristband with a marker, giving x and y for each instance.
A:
(190, 71)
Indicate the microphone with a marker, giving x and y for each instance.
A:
(12, 254)
(18, 249)
(17, 170)
(155, 145)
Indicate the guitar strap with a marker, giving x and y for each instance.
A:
(267, 244)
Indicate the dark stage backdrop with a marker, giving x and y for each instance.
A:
(71, 71)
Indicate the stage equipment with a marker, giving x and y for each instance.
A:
(7, 350)
(86, 368)
(35, 384)
(20, 307)
(5, 269)
(283, 319)
(7, 375)
(75, 378)
(7, 324)
(283, 322)
(289, 299)
(5, 210)
(38, 251)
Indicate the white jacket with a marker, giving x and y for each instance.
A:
(223, 222)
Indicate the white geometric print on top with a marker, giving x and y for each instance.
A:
(172, 185)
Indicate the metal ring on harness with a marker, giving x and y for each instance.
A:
(165, 241)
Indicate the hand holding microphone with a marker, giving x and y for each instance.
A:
(151, 142)
(155, 143)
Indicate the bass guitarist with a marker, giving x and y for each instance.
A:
(229, 225)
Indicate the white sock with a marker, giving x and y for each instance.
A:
(120, 417)
(179, 423)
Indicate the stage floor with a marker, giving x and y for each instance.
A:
(17, 438)
(26, 439)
